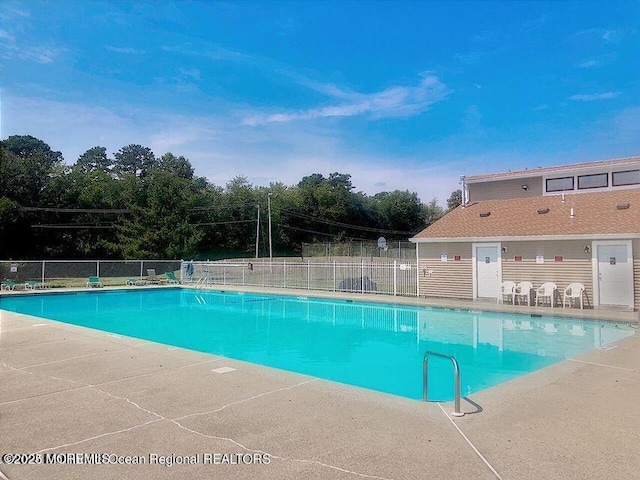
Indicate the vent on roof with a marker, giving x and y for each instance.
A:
(542, 211)
(485, 214)
(623, 206)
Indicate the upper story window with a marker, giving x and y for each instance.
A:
(559, 184)
(598, 180)
(629, 177)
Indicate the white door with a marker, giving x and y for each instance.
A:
(487, 271)
(615, 275)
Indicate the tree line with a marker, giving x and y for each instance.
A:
(137, 205)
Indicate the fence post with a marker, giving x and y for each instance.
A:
(395, 278)
(362, 274)
(97, 268)
(334, 275)
(43, 264)
(224, 274)
(308, 275)
(243, 269)
(284, 273)
(141, 269)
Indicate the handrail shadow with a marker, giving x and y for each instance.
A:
(478, 407)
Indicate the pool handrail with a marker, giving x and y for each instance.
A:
(456, 380)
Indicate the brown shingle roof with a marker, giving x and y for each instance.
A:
(595, 213)
(533, 172)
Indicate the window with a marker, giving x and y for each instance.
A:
(630, 177)
(598, 180)
(559, 184)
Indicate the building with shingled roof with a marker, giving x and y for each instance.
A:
(564, 224)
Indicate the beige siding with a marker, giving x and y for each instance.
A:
(576, 265)
(453, 279)
(505, 189)
(449, 279)
(636, 283)
(636, 273)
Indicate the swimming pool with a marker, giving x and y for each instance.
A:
(370, 345)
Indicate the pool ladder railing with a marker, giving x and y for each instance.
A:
(201, 283)
(456, 380)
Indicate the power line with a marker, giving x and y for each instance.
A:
(76, 210)
(126, 210)
(221, 223)
(223, 207)
(345, 225)
(73, 226)
(308, 231)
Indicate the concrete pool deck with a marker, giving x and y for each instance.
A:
(68, 389)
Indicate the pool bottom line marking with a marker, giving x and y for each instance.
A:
(486, 462)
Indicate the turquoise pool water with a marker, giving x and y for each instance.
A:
(365, 344)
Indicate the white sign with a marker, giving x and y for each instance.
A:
(539, 258)
(444, 257)
(405, 266)
(13, 268)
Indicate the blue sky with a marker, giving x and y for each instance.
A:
(401, 95)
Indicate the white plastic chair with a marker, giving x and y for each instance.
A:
(523, 289)
(546, 290)
(506, 289)
(573, 292)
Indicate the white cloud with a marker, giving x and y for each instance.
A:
(213, 52)
(222, 147)
(12, 47)
(125, 50)
(4, 35)
(587, 64)
(397, 101)
(192, 73)
(12, 11)
(594, 96)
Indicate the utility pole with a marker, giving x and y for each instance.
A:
(270, 244)
(258, 231)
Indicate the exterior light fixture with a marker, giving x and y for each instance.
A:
(587, 249)
(525, 187)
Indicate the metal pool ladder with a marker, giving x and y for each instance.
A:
(456, 380)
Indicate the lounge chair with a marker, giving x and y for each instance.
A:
(33, 284)
(573, 293)
(506, 289)
(523, 290)
(134, 281)
(171, 278)
(152, 277)
(9, 285)
(546, 290)
(94, 282)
